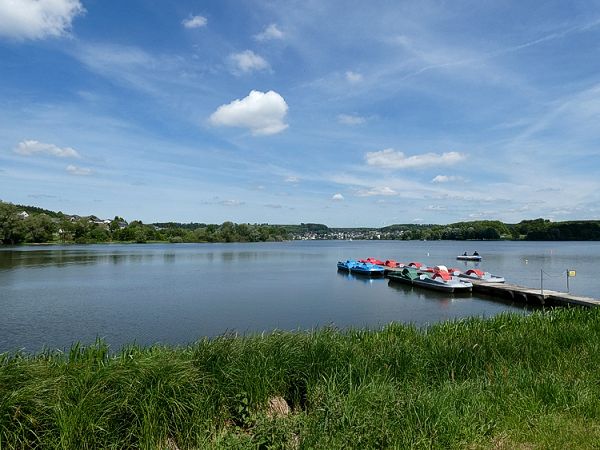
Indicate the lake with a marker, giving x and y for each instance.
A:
(177, 293)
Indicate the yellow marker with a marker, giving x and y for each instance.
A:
(571, 273)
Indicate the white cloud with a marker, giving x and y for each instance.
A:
(195, 22)
(353, 77)
(248, 61)
(151, 73)
(76, 170)
(436, 208)
(269, 33)
(231, 202)
(384, 190)
(292, 179)
(32, 147)
(37, 19)
(446, 178)
(391, 159)
(263, 113)
(349, 119)
(337, 197)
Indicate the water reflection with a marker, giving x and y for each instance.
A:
(176, 293)
(117, 259)
(63, 258)
(443, 298)
(468, 264)
(30, 257)
(366, 279)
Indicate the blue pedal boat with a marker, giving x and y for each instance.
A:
(361, 268)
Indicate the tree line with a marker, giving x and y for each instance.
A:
(42, 226)
(28, 224)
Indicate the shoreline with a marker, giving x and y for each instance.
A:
(50, 244)
(503, 382)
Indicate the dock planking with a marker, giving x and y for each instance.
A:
(525, 294)
(530, 295)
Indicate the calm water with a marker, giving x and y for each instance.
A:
(53, 296)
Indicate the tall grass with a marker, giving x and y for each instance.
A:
(506, 382)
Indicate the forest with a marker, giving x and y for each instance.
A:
(29, 224)
(23, 224)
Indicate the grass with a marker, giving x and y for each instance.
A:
(501, 383)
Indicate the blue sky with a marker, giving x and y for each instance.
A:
(348, 113)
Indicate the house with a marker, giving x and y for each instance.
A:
(23, 215)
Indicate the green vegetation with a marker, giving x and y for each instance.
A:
(480, 229)
(28, 224)
(544, 230)
(42, 226)
(506, 382)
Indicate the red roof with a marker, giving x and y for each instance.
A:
(443, 275)
(477, 272)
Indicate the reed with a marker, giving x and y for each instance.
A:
(509, 381)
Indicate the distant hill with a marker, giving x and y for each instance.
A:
(37, 210)
(44, 225)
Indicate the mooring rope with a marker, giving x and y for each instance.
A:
(562, 274)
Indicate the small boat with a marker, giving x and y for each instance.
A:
(346, 265)
(393, 264)
(372, 261)
(406, 275)
(362, 268)
(420, 267)
(440, 280)
(372, 270)
(477, 274)
(469, 257)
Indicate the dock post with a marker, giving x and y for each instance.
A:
(542, 281)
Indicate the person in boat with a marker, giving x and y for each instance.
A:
(465, 254)
(475, 253)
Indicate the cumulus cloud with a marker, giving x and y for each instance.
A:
(247, 61)
(446, 178)
(195, 22)
(337, 197)
(353, 77)
(269, 33)
(76, 170)
(32, 147)
(37, 19)
(263, 113)
(349, 119)
(384, 190)
(391, 159)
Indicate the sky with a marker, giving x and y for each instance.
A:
(347, 113)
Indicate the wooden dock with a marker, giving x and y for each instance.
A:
(534, 296)
(525, 294)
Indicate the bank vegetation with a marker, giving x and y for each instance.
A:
(28, 224)
(507, 382)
